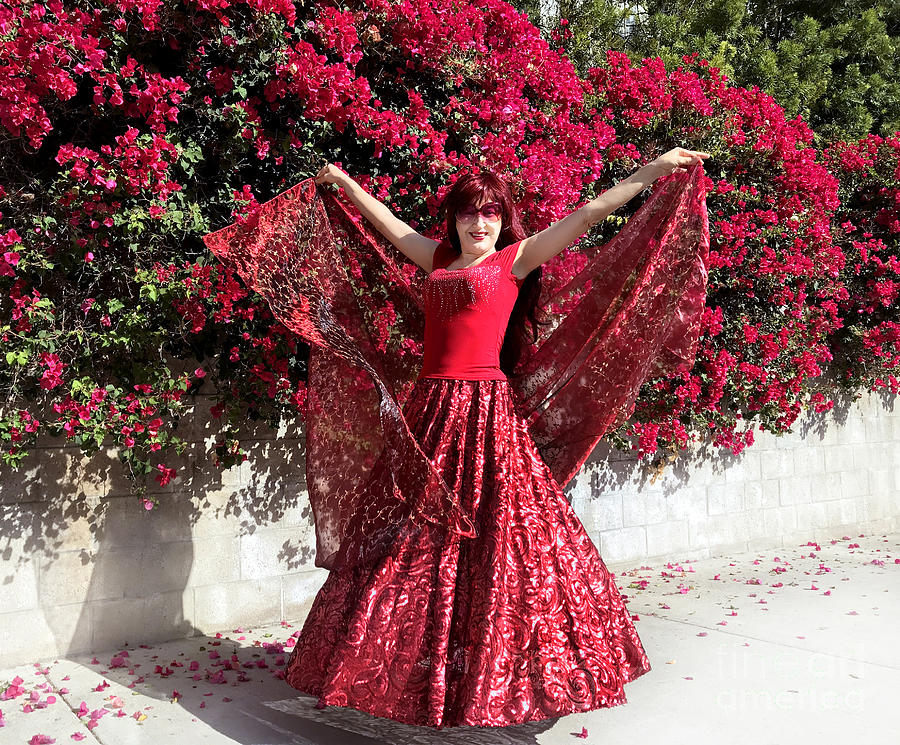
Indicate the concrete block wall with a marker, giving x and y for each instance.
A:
(84, 567)
(837, 473)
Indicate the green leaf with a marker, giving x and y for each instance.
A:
(149, 291)
(192, 154)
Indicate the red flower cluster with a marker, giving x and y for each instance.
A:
(38, 60)
(869, 343)
(127, 165)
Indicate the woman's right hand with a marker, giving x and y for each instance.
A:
(677, 160)
(331, 174)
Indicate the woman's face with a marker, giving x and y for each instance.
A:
(479, 226)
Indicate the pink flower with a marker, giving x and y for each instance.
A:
(52, 375)
(165, 474)
(11, 236)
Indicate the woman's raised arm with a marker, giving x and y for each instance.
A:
(543, 246)
(413, 245)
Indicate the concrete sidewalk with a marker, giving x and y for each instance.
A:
(798, 645)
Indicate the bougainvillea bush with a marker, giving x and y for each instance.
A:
(867, 224)
(130, 128)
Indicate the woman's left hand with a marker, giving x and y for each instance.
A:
(677, 160)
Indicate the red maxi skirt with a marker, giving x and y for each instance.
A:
(521, 624)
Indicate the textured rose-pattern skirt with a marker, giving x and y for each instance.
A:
(520, 624)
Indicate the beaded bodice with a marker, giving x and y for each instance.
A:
(466, 314)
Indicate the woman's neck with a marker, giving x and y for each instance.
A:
(470, 256)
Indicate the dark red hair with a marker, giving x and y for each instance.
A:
(470, 188)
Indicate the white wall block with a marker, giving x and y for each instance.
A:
(688, 502)
(747, 467)
(780, 520)
(624, 544)
(753, 496)
(273, 552)
(250, 601)
(603, 512)
(877, 429)
(838, 458)
(811, 516)
(853, 430)
(299, 590)
(670, 537)
(724, 499)
(25, 635)
(854, 483)
(145, 619)
(19, 587)
(776, 464)
(795, 489)
(809, 461)
(215, 559)
(644, 508)
(771, 492)
(66, 578)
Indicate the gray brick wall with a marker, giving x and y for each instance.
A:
(836, 472)
(83, 567)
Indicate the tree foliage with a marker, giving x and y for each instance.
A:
(834, 63)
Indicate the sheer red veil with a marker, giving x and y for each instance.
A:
(631, 312)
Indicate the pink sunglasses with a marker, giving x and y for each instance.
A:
(491, 212)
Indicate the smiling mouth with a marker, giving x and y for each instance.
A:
(478, 236)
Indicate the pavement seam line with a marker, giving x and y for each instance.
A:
(64, 697)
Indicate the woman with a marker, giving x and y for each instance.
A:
(513, 618)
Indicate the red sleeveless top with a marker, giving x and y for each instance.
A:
(466, 314)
